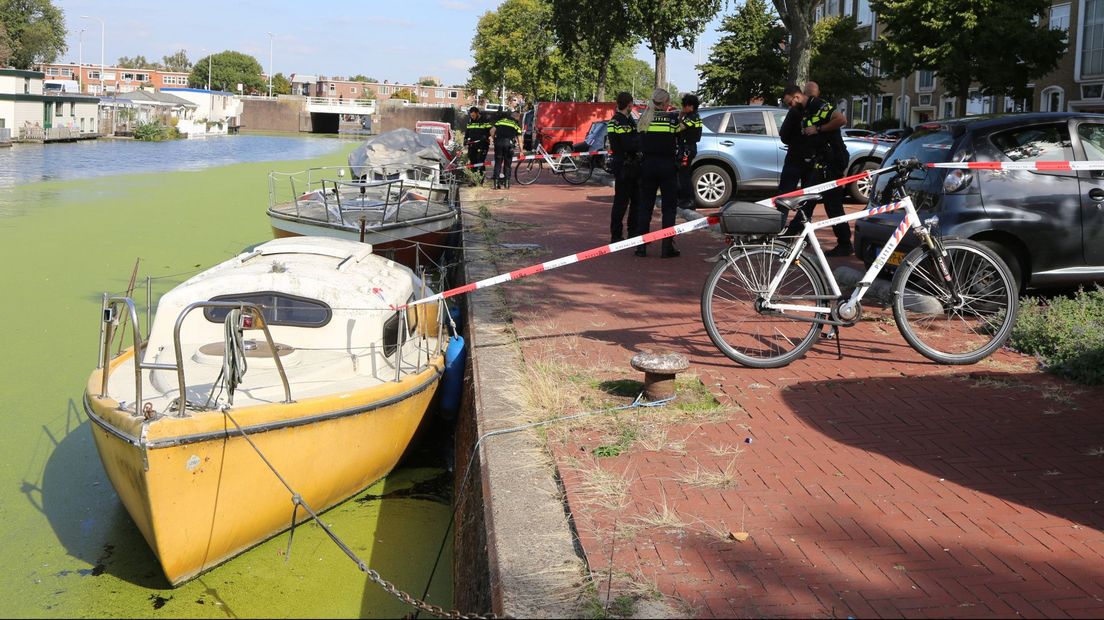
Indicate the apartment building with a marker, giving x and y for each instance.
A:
(321, 86)
(1077, 83)
(88, 80)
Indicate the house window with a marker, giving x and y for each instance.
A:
(863, 15)
(352, 90)
(73, 109)
(818, 13)
(52, 71)
(1091, 91)
(948, 107)
(1092, 37)
(925, 80)
(440, 93)
(141, 77)
(93, 75)
(832, 8)
(846, 8)
(59, 109)
(26, 86)
(452, 94)
(1059, 17)
(1053, 99)
(925, 99)
(127, 77)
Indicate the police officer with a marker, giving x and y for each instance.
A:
(658, 128)
(505, 134)
(825, 158)
(478, 133)
(625, 163)
(793, 167)
(690, 130)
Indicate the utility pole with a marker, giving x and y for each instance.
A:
(103, 30)
(270, 39)
(80, 61)
(204, 50)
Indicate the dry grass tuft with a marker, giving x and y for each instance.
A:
(663, 517)
(724, 479)
(604, 488)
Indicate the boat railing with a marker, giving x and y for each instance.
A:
(110, 320)
(324, 184)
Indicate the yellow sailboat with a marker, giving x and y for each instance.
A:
(296, 346)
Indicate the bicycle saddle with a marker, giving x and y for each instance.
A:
(793, 203)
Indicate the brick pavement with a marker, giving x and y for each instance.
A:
(881, 485)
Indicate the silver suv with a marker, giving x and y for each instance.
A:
(740, 150)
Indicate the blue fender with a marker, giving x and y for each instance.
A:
(452, 384)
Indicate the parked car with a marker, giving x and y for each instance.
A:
(740, 150)
(892, 135)
(1047, 226)
(849, 132)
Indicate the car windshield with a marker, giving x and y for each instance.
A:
(929, 143)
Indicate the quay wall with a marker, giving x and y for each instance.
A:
(283, 114)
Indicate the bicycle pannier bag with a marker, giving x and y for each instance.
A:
(748, 218)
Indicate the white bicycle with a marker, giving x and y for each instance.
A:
(576, 169)
(768, 300)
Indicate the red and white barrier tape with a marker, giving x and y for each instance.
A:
(1042, 166)
(531, 157)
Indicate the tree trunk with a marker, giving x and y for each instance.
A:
(603, 74)
(962, 95)
(801, 51)
(661, 68)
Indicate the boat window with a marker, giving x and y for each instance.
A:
(391, 335)
(278, 309)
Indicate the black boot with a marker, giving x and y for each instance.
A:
(641, 250)
(668, 249)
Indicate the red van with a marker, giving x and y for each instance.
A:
(561, 124)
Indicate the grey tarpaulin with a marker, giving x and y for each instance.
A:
(396, 148)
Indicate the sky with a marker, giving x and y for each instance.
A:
(389, 40)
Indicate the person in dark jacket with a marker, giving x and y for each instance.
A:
(476, 137)
(625, 164)
(505, 134)
(793, 167)
(690, 130)
(658, 128)
(825, 158)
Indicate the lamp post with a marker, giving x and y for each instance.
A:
(80, 60)
(204, 50)
(270, 39)
(103, 31)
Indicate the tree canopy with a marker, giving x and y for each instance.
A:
(748, 60)
(1000, 45)
(839, 63)
(35, 31)
(514, 45)
(589, 31)
(670, 24)
(281, 85)
(138, 62)
(405, 93)
(360, 77)
(5, 46)
(228, 69)
(177, 61)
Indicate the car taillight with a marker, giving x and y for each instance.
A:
(956, 180)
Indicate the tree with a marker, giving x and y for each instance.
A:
(360, 77)
(797, 16)
(405, 93)
(592, 30)
(428, 82)
(281, 85)
(35, 31)
(138, 62)
(514, 45)
(840, 63)
(177, 61)
(670, 24)
(748, 61)
(228, 69)
(1001, 45)
(630, 74)
(5, 46)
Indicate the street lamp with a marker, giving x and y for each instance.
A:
(204, 50)
(80, 60)
(270, 39)
(103, 30)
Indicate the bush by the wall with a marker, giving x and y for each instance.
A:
(1066, 334)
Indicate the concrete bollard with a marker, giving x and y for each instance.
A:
(659, 368)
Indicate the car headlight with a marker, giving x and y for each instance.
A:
(956, 180)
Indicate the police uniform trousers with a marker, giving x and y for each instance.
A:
(657, 172)
(685, 190)
(504, 156)
(477, 154)
(626, 196)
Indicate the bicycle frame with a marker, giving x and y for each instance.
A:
(558, 163)
(911, 221)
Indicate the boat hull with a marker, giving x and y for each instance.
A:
(199, 492)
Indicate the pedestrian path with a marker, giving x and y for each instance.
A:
(880, 485)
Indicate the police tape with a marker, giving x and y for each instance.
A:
(823, 187)
(531, 157)
(1041, 166)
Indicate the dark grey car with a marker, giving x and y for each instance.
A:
(1047, 226)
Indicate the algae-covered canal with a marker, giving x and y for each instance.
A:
(69, 547)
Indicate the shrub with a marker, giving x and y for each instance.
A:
(152, 131)
(1066, 334)
(885, 123)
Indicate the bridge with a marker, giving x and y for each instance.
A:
(335, 105)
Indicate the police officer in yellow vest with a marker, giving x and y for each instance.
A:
(658, 127)
(476, 137)
(505, 134)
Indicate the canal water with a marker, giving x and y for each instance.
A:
(73, 219)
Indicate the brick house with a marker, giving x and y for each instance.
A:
(321, 86)
(115, 79)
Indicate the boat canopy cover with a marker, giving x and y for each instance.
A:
(397, 147)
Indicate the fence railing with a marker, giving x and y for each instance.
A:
(355, 103)
(41, 134)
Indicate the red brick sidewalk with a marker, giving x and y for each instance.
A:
(877, 486)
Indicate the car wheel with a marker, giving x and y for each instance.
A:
(859, 191)
(1010, 259)
(713, 186)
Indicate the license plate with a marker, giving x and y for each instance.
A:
(895, 258)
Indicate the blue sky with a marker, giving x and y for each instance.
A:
(396, 41)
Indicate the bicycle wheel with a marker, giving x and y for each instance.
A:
(733, 320)
(941, 329)
(528, 171)
(579, 170)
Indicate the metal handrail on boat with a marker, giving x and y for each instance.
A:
(107, 331)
